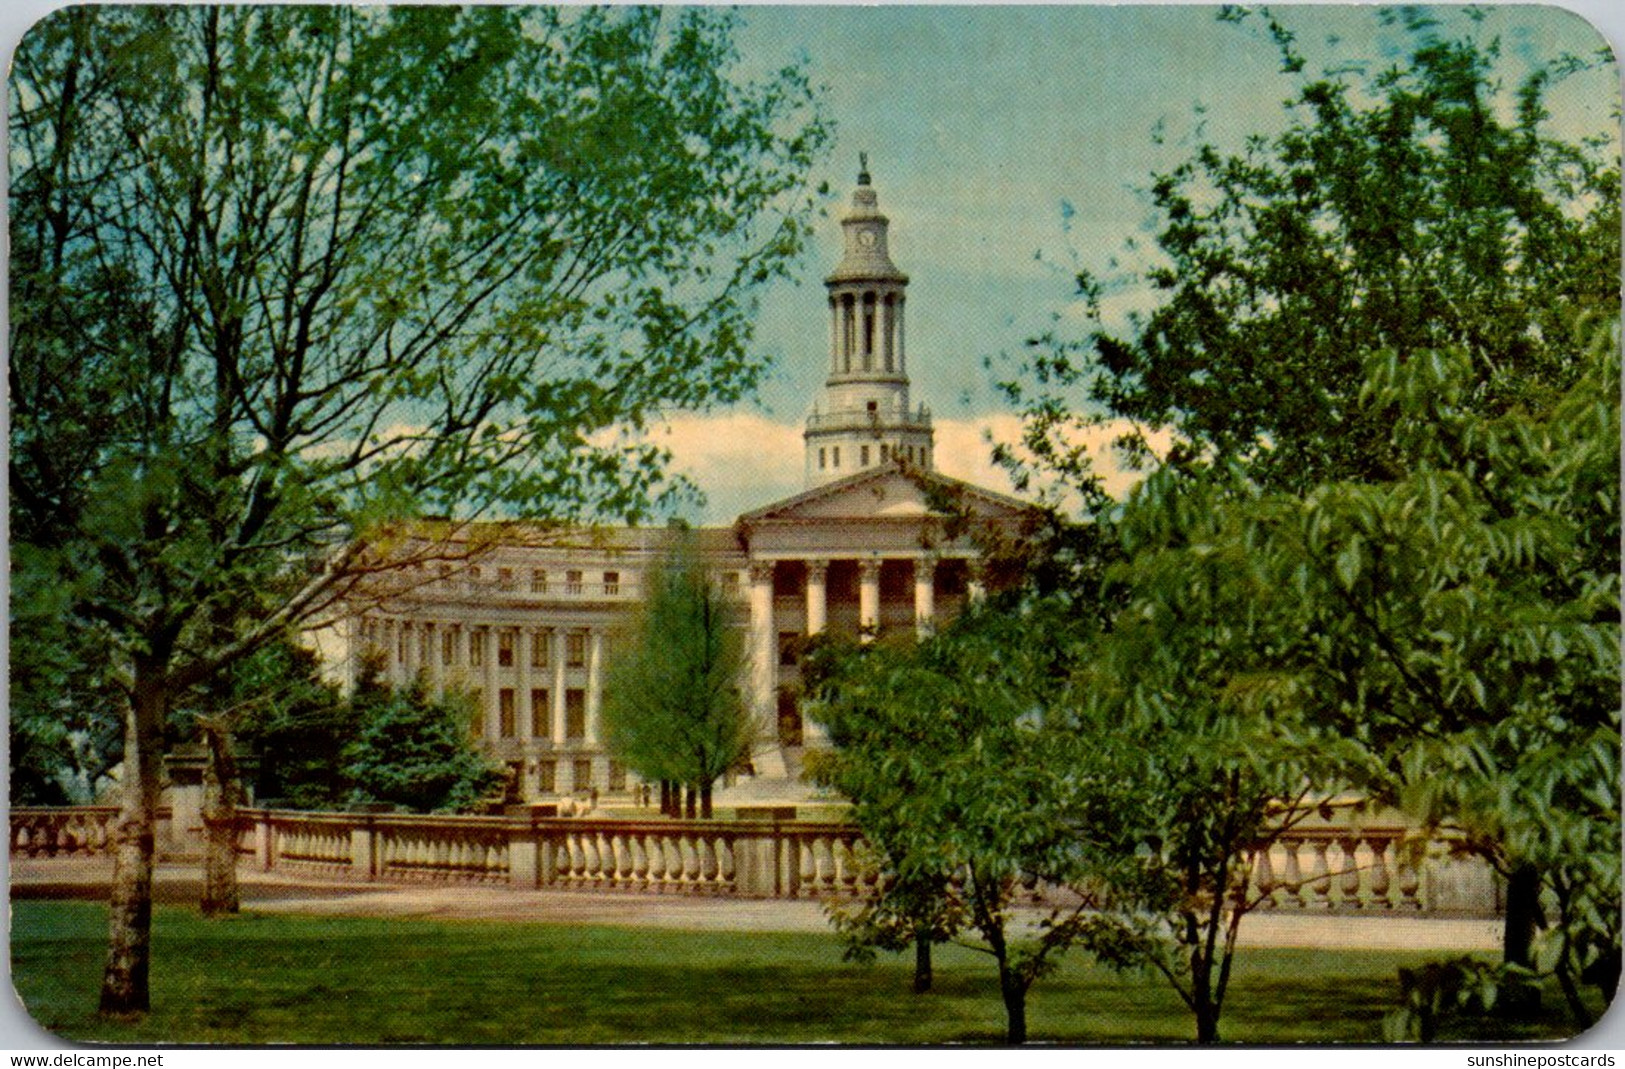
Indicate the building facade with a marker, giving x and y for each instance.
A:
(878, 540)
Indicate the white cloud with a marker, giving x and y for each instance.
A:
(744, 460)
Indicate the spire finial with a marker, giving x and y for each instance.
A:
(863, 168)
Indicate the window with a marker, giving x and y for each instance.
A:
(583, 773)
(547, 776)
(538, 649)
(821, 464)
(507, 715)
(505, 649)
(476, 649)
(572, 583)
(541, 714)
(885, 453)
(477, 725)
(872, 407)
(505, 580)
(538, 580)
(575, 649)
(863, 456)
(835, 452)
(789, 646)
(612, 583)
(617, 776)
(448, 647)
(575, 713)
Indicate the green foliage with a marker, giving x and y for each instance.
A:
(941, 747)
(673, 709)
(296, 726)
(1383, 550)
(1421, 208)
(414, 750)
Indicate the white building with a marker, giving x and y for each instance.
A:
(877, 541)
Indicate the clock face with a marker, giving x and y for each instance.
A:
(867, 238)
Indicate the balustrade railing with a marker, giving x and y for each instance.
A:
(1328, 867)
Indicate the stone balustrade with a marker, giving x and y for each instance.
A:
(66, 831)
(1329, 867)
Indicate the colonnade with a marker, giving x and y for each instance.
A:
(764, 657)
(866, 332)
(536, 687)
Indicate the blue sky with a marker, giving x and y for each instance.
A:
(980, 124)
(1008, 145)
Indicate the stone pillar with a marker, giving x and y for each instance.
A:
(817, 596)
(523, 642)
(834, 336)
(764, 660)
(556, 659)
(901, 357)
(493, 724)
(595, 665)
(925, 595)
(392, 653)
(868, 598)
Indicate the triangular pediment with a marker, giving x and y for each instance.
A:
(891, 492)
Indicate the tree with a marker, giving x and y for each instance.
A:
(673, 709)
(1419, 209)
(286, 279)
(943, 751)
(1379, 316)
(413, 750)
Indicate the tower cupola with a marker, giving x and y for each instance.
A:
(864, 418)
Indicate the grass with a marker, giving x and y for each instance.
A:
(261, 978)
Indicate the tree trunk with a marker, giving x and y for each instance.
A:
(1015, 1003)
(922, 961)
(665, 798)
(691, 798)
(705, 802)
(1519, 1001)
(220, 789)
(129, 930)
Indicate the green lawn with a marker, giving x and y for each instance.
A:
(261, 978)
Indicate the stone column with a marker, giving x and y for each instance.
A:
(392, 653)
(817, 596)
(925, 595)
(493, 716)
(523, 642)
(556, 658)
(764, 660)
(868, 598)
(595, 665)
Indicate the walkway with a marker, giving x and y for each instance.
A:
(273, 892)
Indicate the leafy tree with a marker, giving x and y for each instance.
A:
(1419, 209)
(287, 278)
(942, 749)
(298, 733)
(1385, 317)
(414, 750)
(673, 709)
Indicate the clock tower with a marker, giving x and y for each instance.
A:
(864, 418)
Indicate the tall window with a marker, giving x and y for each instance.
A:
(538, 649)
(612, 583)
(572, 583)
(505, 649)
(575, 649)
(546, 776)
(507, 714)
(583, 773)
(477, 724)
(863, 456)
(505, 580)
(448, 647)
(575, 713)
(538, 580)
(476, 649)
